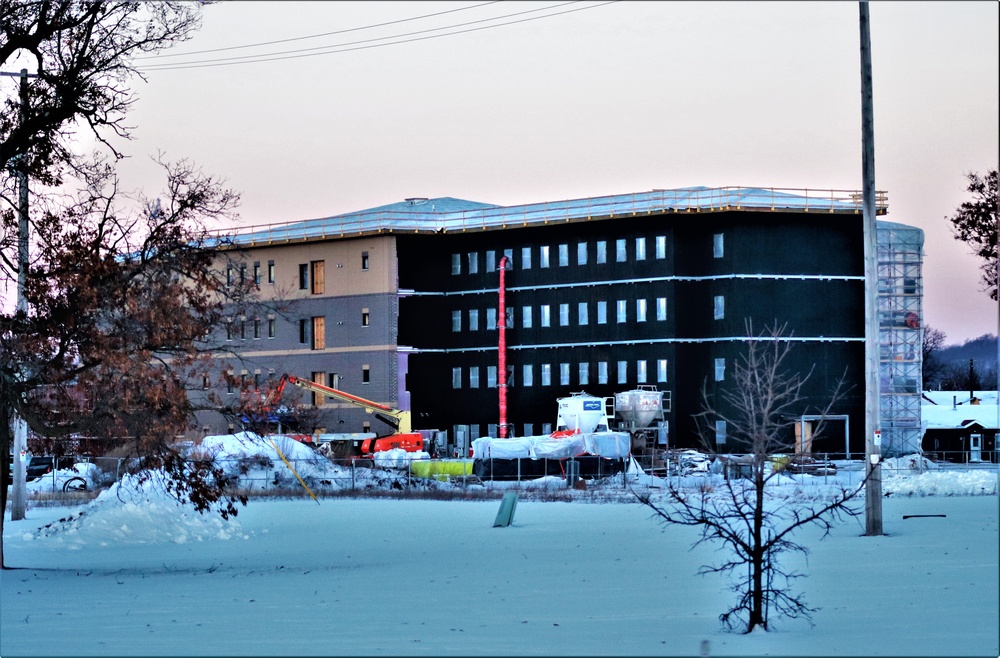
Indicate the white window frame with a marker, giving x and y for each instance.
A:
(473, 319)
(491, 318)
(526, 258)
(456, 378)
(491, 376)
(640, 371)
(473, 262)
(546, 378)
(545, 313)
(527, 375)
(563, 315)
(602, 372)
(602, 252)
(581, 312)
(581, 253)
(563, 255)
(543, 257)
(621, 250)
(473, 376)
(719, 307)
(526, 317)
(621, 311)
(456, 264)
(640, 248)
(640, 310)
(622, 372)
(661, 309)
(602, 312)
(718, 245)
(564, 374)
(720, 369)
(456, 321)
(583, 373)
(661, 370)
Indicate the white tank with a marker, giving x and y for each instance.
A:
(639, 407)
(582, 412)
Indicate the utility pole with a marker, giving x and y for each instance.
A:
(18, 485)
(873, 443)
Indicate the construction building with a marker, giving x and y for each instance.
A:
(398, 304)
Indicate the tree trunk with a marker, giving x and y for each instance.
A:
(757, 617)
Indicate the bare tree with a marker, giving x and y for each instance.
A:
(975, 223)
(754, 526)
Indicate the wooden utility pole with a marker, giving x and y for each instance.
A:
(18, 485)
(873, 443)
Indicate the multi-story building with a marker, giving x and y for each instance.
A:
(398, 304)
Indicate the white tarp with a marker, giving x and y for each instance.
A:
(606, 444)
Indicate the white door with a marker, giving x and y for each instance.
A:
(976, 448)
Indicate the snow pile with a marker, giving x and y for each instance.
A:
(941, 483)
(912, 462)
(133, 513)
(255, 462)
(397, 458)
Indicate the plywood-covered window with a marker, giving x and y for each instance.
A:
(319, 333)
(318, 268)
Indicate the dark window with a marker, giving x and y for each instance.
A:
(364, 260)
(270, 271)
(303, 276)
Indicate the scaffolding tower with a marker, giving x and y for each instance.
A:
(900, 304)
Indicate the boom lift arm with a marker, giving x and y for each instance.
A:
(398, 419)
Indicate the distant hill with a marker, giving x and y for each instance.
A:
(983, 350)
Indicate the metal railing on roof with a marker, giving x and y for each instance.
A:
(684, 200)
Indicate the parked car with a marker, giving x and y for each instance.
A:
(39, 466)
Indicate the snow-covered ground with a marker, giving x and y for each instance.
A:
(131, 573)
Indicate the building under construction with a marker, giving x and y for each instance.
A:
(399, 304)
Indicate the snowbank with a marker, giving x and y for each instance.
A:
(940, 483)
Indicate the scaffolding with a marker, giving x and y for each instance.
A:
(900, 304)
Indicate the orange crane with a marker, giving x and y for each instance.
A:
(402, 436)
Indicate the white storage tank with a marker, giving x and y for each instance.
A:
(640, 407)
(584, 413)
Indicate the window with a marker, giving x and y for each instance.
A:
(456, 263)
(720, 307)
(602, 312)
(546, 374)
(640, 371)
(718, 246)
(243, 273)
(543, 257)
(229, 275)
(581, 311)
(526, 317)
(509, 253)
(319, 333)
(602, 372)
(491, 319)
(473, 319)
(243, 328)
(564, 374)
(661, 309)
(366, 375)
(303, 331)
(271, 327)
(546, 319)
(473, 263)
(229, 329)
(491, 376)
(333, 380)
(270, 271)
(473, 376)
(564, 315)
(303, 276)
(620, 251)
(640, 248)
(563, 255)
(365, 261)
(256, 272)
(584, 373)
(318, 398)
(365, 317)
(622, 372)
(491, 260)
(640, 310)
(661, 370)
(256, 328)
(621, 312)
(529, 429)
(456, 321)
(602, 252)
(661, 246)
(720, 370)
(527, 374)
(581, 253)
(509, 320)
(526, 258)
(456, 378)
(720, 431)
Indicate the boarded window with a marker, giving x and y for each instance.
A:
(318, 268)
(319, 333)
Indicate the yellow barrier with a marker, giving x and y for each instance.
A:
(440, 469)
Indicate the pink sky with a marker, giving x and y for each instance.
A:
(619, 98)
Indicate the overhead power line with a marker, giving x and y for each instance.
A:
(365, 44)
(317, 36)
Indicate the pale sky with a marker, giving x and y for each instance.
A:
(619, 98)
